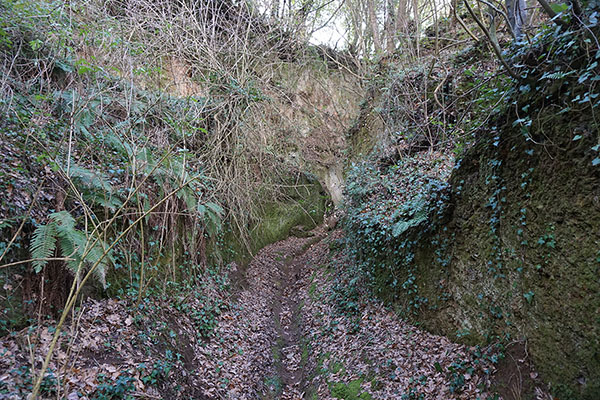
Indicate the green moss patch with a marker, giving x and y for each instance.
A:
(349, 391)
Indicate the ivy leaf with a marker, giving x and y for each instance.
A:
(400, 228)
(65, 66)
(35, 44)
(559, 7)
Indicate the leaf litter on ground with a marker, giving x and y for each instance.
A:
(282, 336)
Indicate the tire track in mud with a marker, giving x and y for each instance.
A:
(300, 366)
(290, 351)
(251, 357)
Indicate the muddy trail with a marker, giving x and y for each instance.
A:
(319, 352)
(284, 332)
(287, 315)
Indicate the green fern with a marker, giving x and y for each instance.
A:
(95, 187)
(172, 173)
(43, 245)
(96, 254)
(69, 239)
(212, 214)
(111, 202)
(412, 214)
(117, 143)
(191, 199)
(76, 244)
(64, 219)
(73, 244)
(92, 179)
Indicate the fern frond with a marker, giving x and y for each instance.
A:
(93, 179)
(64, 219)
(191, 200)
(117, 143)
(71, 245)
(112, 203)
(65, 229)
(102, 199)
(214, 213)
(43, 244)
(95, 255)
(75, 244)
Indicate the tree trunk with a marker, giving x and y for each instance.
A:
(417, 31)
(517, 15)
(390, 27)
(372, 13)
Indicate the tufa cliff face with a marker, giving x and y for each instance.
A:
(509, 249)
(524, 228)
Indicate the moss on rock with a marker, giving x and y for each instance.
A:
(349, 391)
(516, 256)
(304, 206)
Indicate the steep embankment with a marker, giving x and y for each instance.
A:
(178, 148)
(507, 248)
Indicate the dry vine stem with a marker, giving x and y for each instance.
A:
(74, 292)
(235, 57)
(493, 41)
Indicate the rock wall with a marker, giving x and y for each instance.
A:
(510, 248)
(511, 253)
(524, 228)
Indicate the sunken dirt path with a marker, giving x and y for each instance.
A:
(310, 350)
(282, 337)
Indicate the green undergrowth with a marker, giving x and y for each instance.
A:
(107, 388)
(200, 298)
(107, 154)
(165, 326)
(92, 153)
(389, 210)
